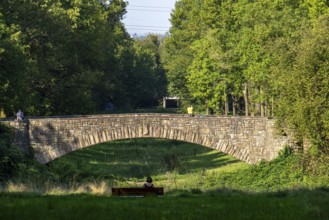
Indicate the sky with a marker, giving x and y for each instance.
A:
(148, 16)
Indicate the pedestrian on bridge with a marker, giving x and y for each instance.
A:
(19, 115)
(190, 110)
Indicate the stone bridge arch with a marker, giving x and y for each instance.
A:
(249, 139)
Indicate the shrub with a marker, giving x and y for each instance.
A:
(11, 158)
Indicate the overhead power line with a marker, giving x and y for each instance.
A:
(148, 29)
(142, 6)
(147, 10)
(146, 26)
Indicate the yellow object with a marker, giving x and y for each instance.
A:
(190, 110)
(2, 113)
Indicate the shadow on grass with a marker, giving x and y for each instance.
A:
(137, 158)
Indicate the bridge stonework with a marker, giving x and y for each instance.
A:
(249, 139)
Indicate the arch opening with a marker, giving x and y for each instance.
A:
(140, 157)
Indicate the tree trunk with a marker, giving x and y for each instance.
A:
(226, 105)
(207, 108)
(262, 110)
(266, 113)
(246, 99)
(261, 103)
(272, 107)
(234, 105)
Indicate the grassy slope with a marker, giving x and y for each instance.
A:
(172, 164)
(199, 184)
(184, 166)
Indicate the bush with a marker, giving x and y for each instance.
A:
(11, 158)
(285, 152)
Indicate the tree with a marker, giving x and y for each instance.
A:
(149, 49)
(176, 53)
(206, 81)
(316, 8)
(12, 68)
(304, 105)
(70, 47)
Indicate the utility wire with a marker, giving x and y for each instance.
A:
(146, 10)
(142, 6)
(145, 26)
(142, 29)
(148, 29)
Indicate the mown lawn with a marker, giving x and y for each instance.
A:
(211, 205)
(199, 183)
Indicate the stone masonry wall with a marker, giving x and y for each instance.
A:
(250, 139)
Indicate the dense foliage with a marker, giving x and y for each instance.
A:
(11, 158)
(73, 57)
(264, 57)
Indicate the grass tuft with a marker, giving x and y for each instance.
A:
(12, 187)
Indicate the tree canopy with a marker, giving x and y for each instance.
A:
(72, 57)
(254, 58)
(264, 57)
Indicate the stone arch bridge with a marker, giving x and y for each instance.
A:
(249, 139)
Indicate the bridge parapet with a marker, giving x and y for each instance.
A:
(250, 139)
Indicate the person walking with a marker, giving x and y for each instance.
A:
(19, 115)
(190, 110)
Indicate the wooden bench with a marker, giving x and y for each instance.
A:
(138, 192)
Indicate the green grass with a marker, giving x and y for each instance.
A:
(172, 164)
(212, 205)
(199, 183)
(176, 166)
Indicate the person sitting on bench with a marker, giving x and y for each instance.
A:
(148, 183)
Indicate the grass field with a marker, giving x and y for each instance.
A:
(212, 205)
(172, 164)
(199, 183)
